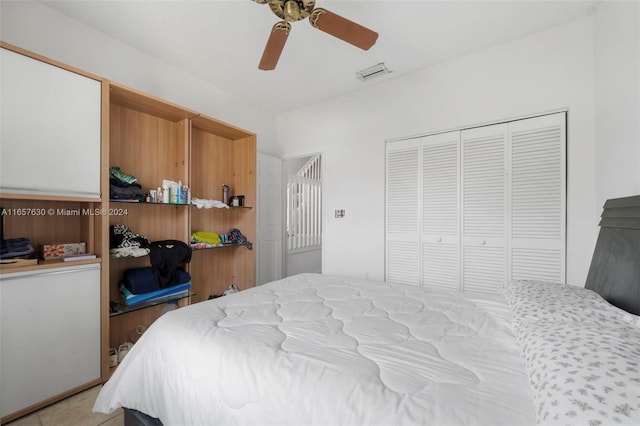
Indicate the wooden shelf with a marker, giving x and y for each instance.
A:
(45, 197)
(154, 140)
(221, 246)
(44, 265)
(136, 100)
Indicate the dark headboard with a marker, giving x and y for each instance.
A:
(615, 267)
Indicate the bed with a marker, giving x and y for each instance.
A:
(325, 350)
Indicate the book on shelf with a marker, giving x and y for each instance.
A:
(84, 256)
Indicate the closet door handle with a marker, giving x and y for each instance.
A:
(438, 239)
(482, 242)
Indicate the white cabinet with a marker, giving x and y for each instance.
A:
(50, 333)
(49, 129)
(470, 209)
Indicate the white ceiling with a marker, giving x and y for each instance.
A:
(222, 41)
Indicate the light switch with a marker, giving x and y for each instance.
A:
(339, 213)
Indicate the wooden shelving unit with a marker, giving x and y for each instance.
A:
(146, 137)
(222, 154)
(153, 140)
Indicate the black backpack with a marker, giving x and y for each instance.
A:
(165, 258)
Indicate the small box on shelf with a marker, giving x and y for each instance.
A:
(51, 251)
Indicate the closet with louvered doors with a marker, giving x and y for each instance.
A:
(470, 209)
(422, 231)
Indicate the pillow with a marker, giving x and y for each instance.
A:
(544, 301)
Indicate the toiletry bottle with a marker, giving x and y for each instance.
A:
(165, 194)
(225, 193)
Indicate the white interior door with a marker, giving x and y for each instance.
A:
(269, 213)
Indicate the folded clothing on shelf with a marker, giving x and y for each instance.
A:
(115, 173)
(142, 280)
(123, 242)
(208, 204)
(15, 247)
(123, 186)
(205, 237)
(235, 237)
(131, 299)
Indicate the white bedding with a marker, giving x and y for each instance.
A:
(322, 350)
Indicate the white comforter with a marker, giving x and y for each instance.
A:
(321, 350)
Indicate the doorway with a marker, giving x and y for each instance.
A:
(303, 215)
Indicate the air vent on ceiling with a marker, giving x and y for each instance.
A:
(374, 71)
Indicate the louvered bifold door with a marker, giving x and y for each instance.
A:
(402, 213)
(483, 208)
(440, 206)
(538, 194)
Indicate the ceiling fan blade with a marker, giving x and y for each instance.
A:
(343, 28)
(275, 44)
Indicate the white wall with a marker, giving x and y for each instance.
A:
(590, 67)
(40, 29)
(546, 71)
(617, 76)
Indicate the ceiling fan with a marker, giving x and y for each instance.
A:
(322, 19)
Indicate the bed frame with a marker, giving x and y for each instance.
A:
(137, 418)
(615, 266)
(614, 272)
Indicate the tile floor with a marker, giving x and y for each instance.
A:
(73, 411)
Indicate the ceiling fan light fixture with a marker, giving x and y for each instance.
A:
(291, 11)
(322, 19)
(372, 72)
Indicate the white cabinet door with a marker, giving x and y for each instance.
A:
(484, 204)
(403, 213)
(538, 198)
(50, 334)
(440, 207)
(49, 129)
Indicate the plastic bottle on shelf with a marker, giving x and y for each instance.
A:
(165, 194)
(225, 193)
(173, 195)
(179, 190)
(170, 306)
